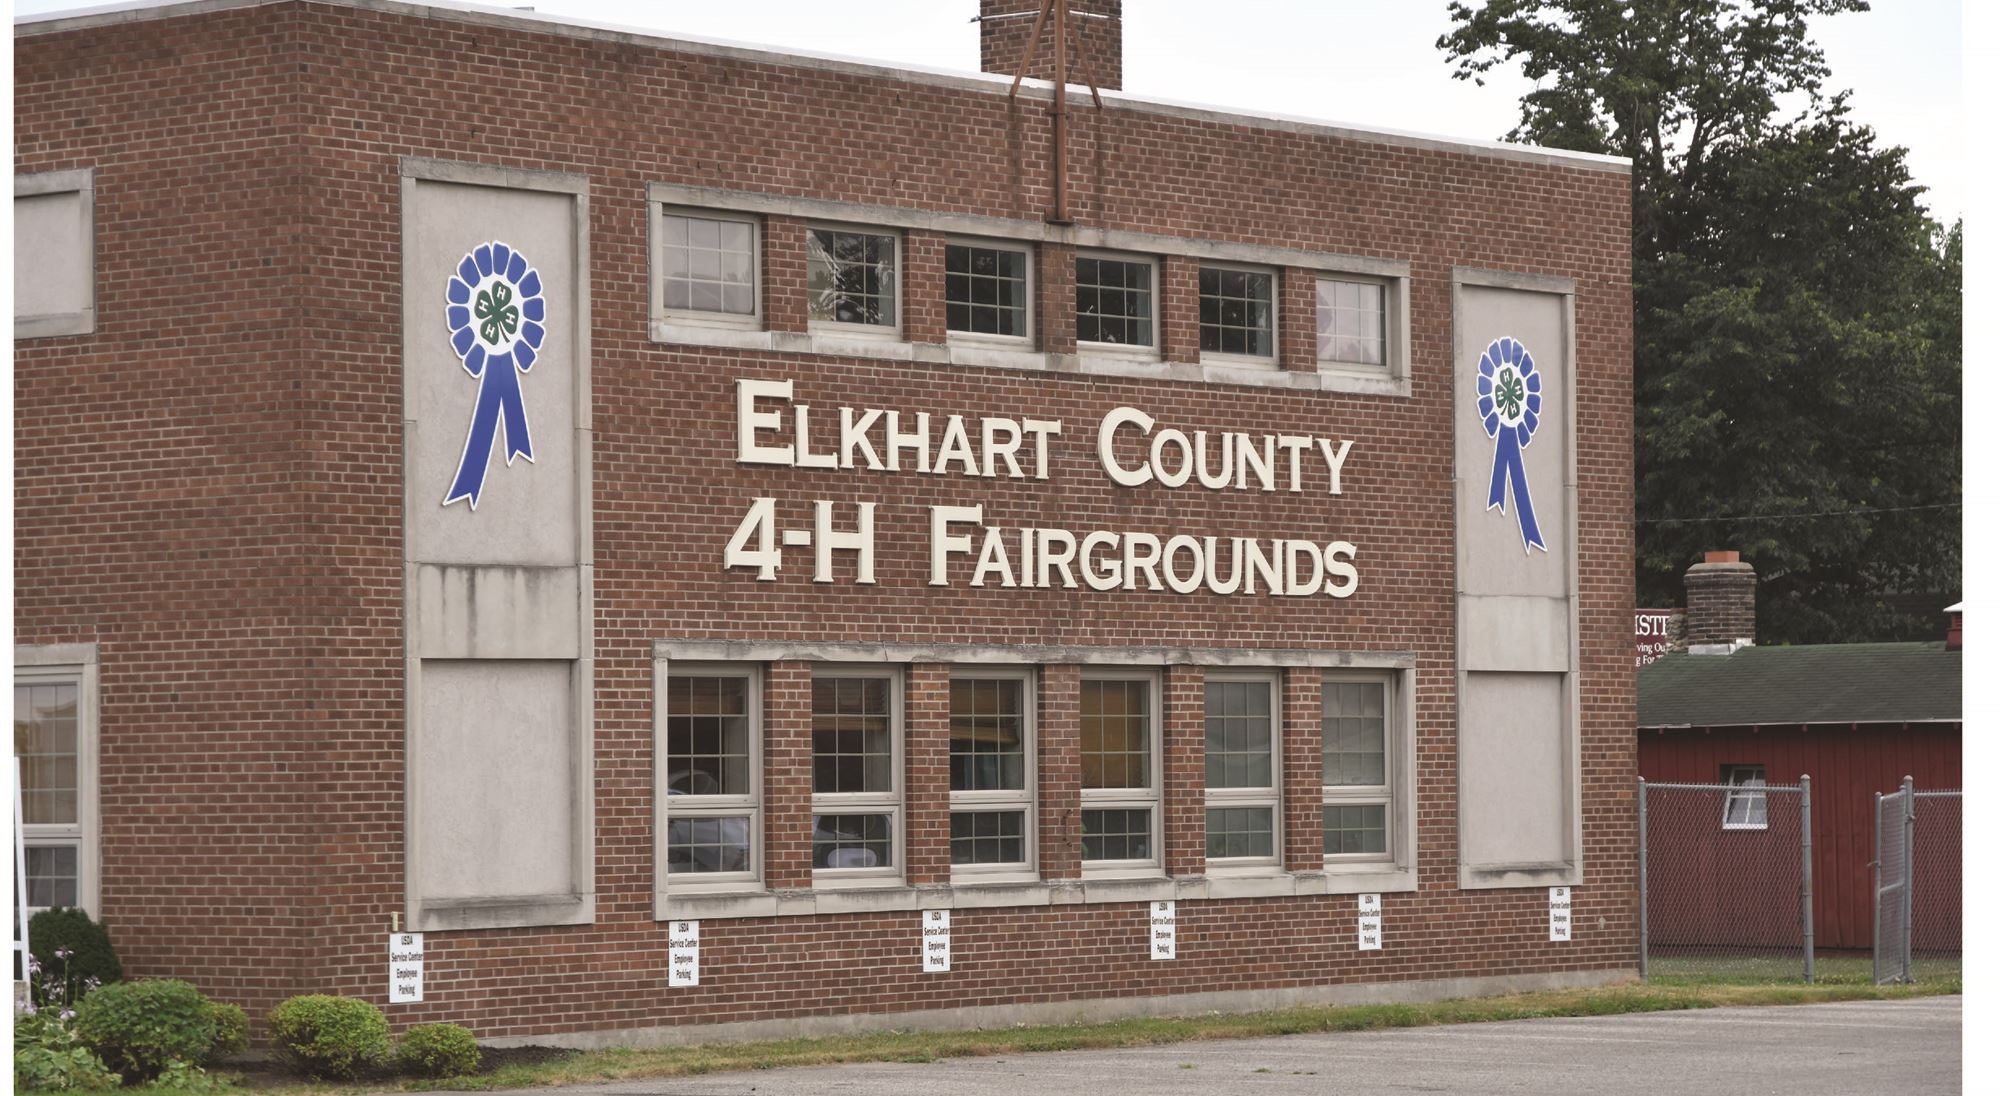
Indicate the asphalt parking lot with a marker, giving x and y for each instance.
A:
(1863, 1048)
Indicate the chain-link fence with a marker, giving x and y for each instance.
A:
(1725, 881)
(1919, 853)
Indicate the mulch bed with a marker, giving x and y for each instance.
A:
(269, 1073)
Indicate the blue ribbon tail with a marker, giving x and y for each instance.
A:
(515, 415)
(1506, 454)
(1524, 506)
(471, 476)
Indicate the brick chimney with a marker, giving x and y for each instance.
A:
(1096, 37)
(1721, 604)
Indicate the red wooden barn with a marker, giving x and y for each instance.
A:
(1856, 717)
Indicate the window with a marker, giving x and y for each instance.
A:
(709, 769)
(1236, 312)
(857, 756)
(1743, 806)
(986, 290)
(1241, 747)
(1352, 322)
(1355, 752)
(55, 742)
(851, 278)
(1120, 754)
(708, 266)
(1115, 301)
(992, 764)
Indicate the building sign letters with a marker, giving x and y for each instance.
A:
(1135, 450)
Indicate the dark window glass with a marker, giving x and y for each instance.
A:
(987, 837)
(1114, 302)
(1236, 312)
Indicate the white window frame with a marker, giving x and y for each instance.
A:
(1395, 328)
(696, 317)
(1128, 351)
(1272, 796)
(1152, 798)
(1741, 778)
(1216, 357)
(669, 808)
(1022, 800)
(889, 802)
(1028, 253)
(70, 664)
(892, 332)
(1366, 795)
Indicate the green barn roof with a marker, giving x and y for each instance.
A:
(1829, 683)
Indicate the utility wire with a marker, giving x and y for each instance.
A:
(1797, 517)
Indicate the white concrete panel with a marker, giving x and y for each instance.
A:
(497, 612)
(1492, 556)
(1514, 633)
(527, 512)
(52, 255)
(1513, 771)
(496, 787)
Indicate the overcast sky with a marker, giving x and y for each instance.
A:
(1367, 62)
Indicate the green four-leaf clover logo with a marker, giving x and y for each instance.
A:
(1508, 394)
(497, 315)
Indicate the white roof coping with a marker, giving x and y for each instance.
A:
(1956, 608)
(146, 10)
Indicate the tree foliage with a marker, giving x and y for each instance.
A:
(1796, 350)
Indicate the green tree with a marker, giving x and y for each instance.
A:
(1796, 353)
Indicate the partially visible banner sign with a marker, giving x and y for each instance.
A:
(1654, 631)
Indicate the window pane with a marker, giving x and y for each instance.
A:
(852, 841)
(708, 736)
(1351, 322)
(1353, 743)
(1114, 302)
(850, 277)
(707, 264)
(988, 837)
(1360, 829)
(52, 871)
(852, 725)
(1125, 834)
(1239, 831)
(988, 741)
(1236, 311)
(45, 743)
(1116, 732)
(698, 846)
(1239, 740)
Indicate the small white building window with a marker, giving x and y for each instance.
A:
(709, 760)
(1117, 307)
(1119, 751)
(1352, 320)
(707, 266)
(857, 787)
(992, 772)
(987, 290)
(852, 278)
(1355, 763)
(55, 744)
(1743, 806)
(1238, 314)
(1243, 786)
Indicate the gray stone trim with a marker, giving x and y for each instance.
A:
(744, 650)
(498, 175)
(55, 654)
(1510, 279)
(1083, 1010)
(988, 83)
(82, 182)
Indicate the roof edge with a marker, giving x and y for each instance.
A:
(137, 11)
(1794, 723)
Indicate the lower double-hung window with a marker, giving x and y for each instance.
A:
(857, 761)
(1243, 770)
(1356, 748)
(1119, 721)
(992, 770)
(709, 765)
(55, 744)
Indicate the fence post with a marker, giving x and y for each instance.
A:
(1643, 948)
(1805, 869)
(1909, 865)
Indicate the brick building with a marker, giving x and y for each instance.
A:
(539, 486)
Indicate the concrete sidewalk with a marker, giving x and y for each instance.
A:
(1862, 1048)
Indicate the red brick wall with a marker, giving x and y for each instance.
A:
(210, 487)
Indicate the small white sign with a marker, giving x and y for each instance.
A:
(937, 941)
(1559, 922)
(684, 953)
(1370, 927)
(406, 968)
(1161, 931)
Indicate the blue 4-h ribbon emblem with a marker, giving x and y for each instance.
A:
(1510, 406)
(495, 312)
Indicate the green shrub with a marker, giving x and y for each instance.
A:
(332, 1037)
(438, 1050)
(74, 954)
(47, 1056)
(186, 1077)
(232, 1032)
(139, 1027)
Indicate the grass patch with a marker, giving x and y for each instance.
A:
(911, 1046)
(1828, 970)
